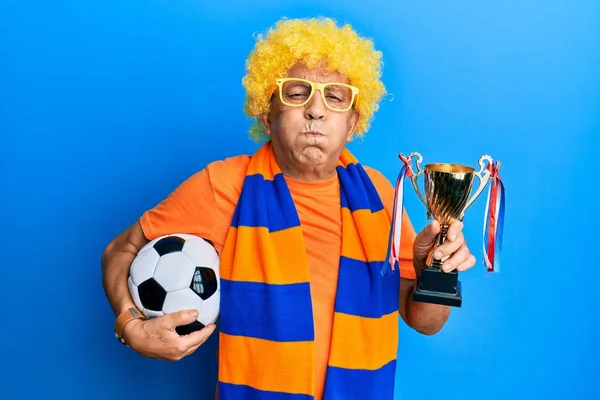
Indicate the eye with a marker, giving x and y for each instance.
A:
(297, 95)
(296, 91)
(337, 93)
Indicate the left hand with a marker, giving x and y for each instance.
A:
(455, 245)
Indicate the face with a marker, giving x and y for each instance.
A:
(308, 140)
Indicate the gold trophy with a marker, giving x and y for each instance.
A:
(447, 191)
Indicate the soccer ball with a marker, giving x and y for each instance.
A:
(177, 272)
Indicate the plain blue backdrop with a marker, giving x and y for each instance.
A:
(106, 106)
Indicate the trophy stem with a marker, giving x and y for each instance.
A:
(441, 238)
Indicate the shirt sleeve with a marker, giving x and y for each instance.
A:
(202, 205)
(407, 234)
(190, 208)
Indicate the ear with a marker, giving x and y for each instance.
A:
(264, 118)
(353, 123)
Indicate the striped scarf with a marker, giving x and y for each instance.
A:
(266, 348)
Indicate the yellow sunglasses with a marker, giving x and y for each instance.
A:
(296, 92)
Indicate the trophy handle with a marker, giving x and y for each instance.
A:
(483, 174)
(414, 179)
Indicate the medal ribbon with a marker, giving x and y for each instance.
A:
(494, 220)
(393, 253)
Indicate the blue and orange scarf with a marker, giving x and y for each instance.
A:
(266, 348)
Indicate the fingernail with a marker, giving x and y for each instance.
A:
(453, 237)
(194, 313)
(447, 267)
(438, 255)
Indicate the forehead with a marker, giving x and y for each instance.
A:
(316, 74)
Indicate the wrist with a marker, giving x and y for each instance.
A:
(128, 329)
(418, 266)
(125, 319)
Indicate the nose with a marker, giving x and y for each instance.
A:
(315, 109)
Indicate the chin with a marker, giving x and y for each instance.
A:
(313, 155)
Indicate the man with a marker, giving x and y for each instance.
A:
(302, 231)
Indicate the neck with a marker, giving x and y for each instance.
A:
(310, 174)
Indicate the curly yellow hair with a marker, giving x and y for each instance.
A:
(312, 42)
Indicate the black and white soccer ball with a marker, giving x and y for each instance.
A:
(177, 272)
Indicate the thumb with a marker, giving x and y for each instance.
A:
(428, 235)
(183, 317)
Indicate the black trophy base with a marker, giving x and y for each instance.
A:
(438, 287)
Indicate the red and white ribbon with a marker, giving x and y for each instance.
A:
(493, 224)
(393, 253)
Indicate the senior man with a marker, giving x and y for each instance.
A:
(302, 231)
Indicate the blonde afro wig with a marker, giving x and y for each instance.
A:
(312, 42)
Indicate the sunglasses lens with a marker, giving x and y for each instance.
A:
(295, 92)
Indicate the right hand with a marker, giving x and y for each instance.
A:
(157, 338)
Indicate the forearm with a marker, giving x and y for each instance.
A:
(115, 271)
(426, 318)
(423, 317)
(116, 261)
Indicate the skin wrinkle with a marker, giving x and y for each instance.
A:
(302, 155)
(314, 41)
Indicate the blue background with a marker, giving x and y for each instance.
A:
(106, 106)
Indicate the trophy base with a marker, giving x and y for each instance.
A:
(438, 287)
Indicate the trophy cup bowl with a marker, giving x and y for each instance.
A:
(447, 196)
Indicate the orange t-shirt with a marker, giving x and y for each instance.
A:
(204, 204)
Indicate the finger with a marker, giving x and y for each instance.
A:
(195, 339)
(184, 317)
(428, 235)
(182, 346)
(458, 258)
(454, 230)
(469, 263)
(448, 248)
(197, 336)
